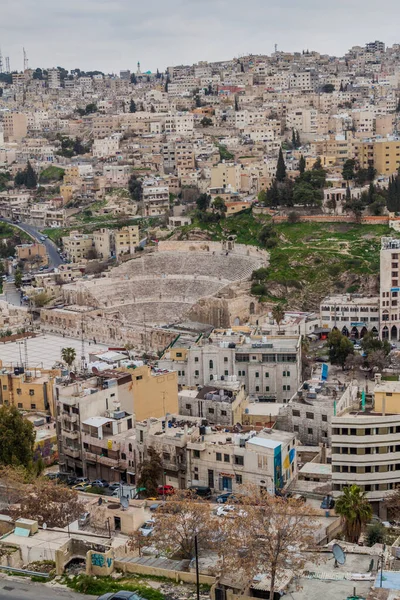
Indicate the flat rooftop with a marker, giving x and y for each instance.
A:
(45, 350)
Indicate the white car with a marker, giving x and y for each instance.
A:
(357, 347)
(225, 510)
(147, 528)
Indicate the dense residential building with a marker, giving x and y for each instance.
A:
(389, 289)
(352, 314)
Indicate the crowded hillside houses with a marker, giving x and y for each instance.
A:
(133, 348)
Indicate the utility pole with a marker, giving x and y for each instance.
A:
(83, 363)
(196, 552)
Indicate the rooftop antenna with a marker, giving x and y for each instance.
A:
(8, 64)
(25, 60)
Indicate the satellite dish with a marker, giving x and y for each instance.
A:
(124, 502)
(100, 501)
(338, 553)
(44, 526)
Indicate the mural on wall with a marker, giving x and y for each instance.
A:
(46, 450)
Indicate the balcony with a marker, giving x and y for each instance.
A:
(94, 441)
(71, 452)
(103, 460)
(70, 417)
(198, 445)
(72, 435)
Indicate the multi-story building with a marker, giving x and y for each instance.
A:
(15, 126)
(155, 198)
(352, 314)
(269, 367)
(104, 242)
(383, 155)
(126, 240)
(389, 289)
(32, 254)
(54, 79)
(28, 390)
(78, 245)
(226, 461)
(226, 176)
(117, 175)
(223, 403)
(366, 445)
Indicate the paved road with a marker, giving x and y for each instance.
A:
(18, 589)
(54, 258)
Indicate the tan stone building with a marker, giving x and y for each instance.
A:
(32, 254)
(126, 240)
(383, 154)
(77, 245)
(30, 390)
(15, 126)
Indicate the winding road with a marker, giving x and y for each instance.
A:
(51, 248)
(17, 589)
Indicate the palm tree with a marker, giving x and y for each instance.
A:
(68, 355)
(355, 511)
(278, 314)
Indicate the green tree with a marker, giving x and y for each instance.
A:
(219, 205)
(68, 355)
(340, 348)
(355, 511)
(376, 534)
(272, 195)
(371, 173)
(206, 122)
(278, 314)
(135, 188)
(302, 164)
(328, 88)
(305, 194)
(280, 167)
(268, 237)
(150, 472)
(348, 169)
(203, 202)
(370, 344)
(132, 106)
(293, 217)
(20, 178)
(17, 437)
(18, 278)
(30, 178)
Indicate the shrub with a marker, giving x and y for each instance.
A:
(376, 534)
(85, 584)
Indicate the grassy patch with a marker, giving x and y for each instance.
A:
(85, 584)
(51, 174)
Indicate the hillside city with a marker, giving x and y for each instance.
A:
(200, 329)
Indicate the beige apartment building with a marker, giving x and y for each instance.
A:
(126, 240)
(389, 289)
(226, 175)
(15, 126)
(155, 199)
(383, 154)
(77, 245)
(104, 242)
(366, 446)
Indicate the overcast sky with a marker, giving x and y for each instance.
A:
(110, 35)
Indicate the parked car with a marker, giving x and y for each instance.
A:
(201, 490)
(113, 486)
(328, 503)
(165, 490)
(222, 498)
(81, 487)
(225, 510)
(82, 480)
(147, 528)
(357, 347)
(101, 483)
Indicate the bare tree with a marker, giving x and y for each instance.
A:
(378, 360)
(278, 314)
(354, 362)
(47, 502)
(181, 519)
(269, 535)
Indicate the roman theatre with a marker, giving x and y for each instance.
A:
(146, 300)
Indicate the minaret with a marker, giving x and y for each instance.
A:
(138, 72)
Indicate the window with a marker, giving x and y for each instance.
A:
(226, 457)
(296, 413)
(196, 373)
(286, 388)
(325, 418)
(123, 455)
(257, 388)
(223, 413)
(226, 372)
(196, 359)
(218, 456)
(309, 415)
(179, 354)
(296, 428)
(188, 406)
(211, 411)
(286, 373)
(211, 364)
(239, 479)
(31, 392)
(225, 359)
(196, 453)
(33, 406)
(139, 377)
(267, 388)
(309, 431)
(266, 374)
(239, 460)
(19, 404)
(257, 374)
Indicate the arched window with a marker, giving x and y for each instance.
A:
(130, 447)
(211, 364)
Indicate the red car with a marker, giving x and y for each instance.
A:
(165, 490)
